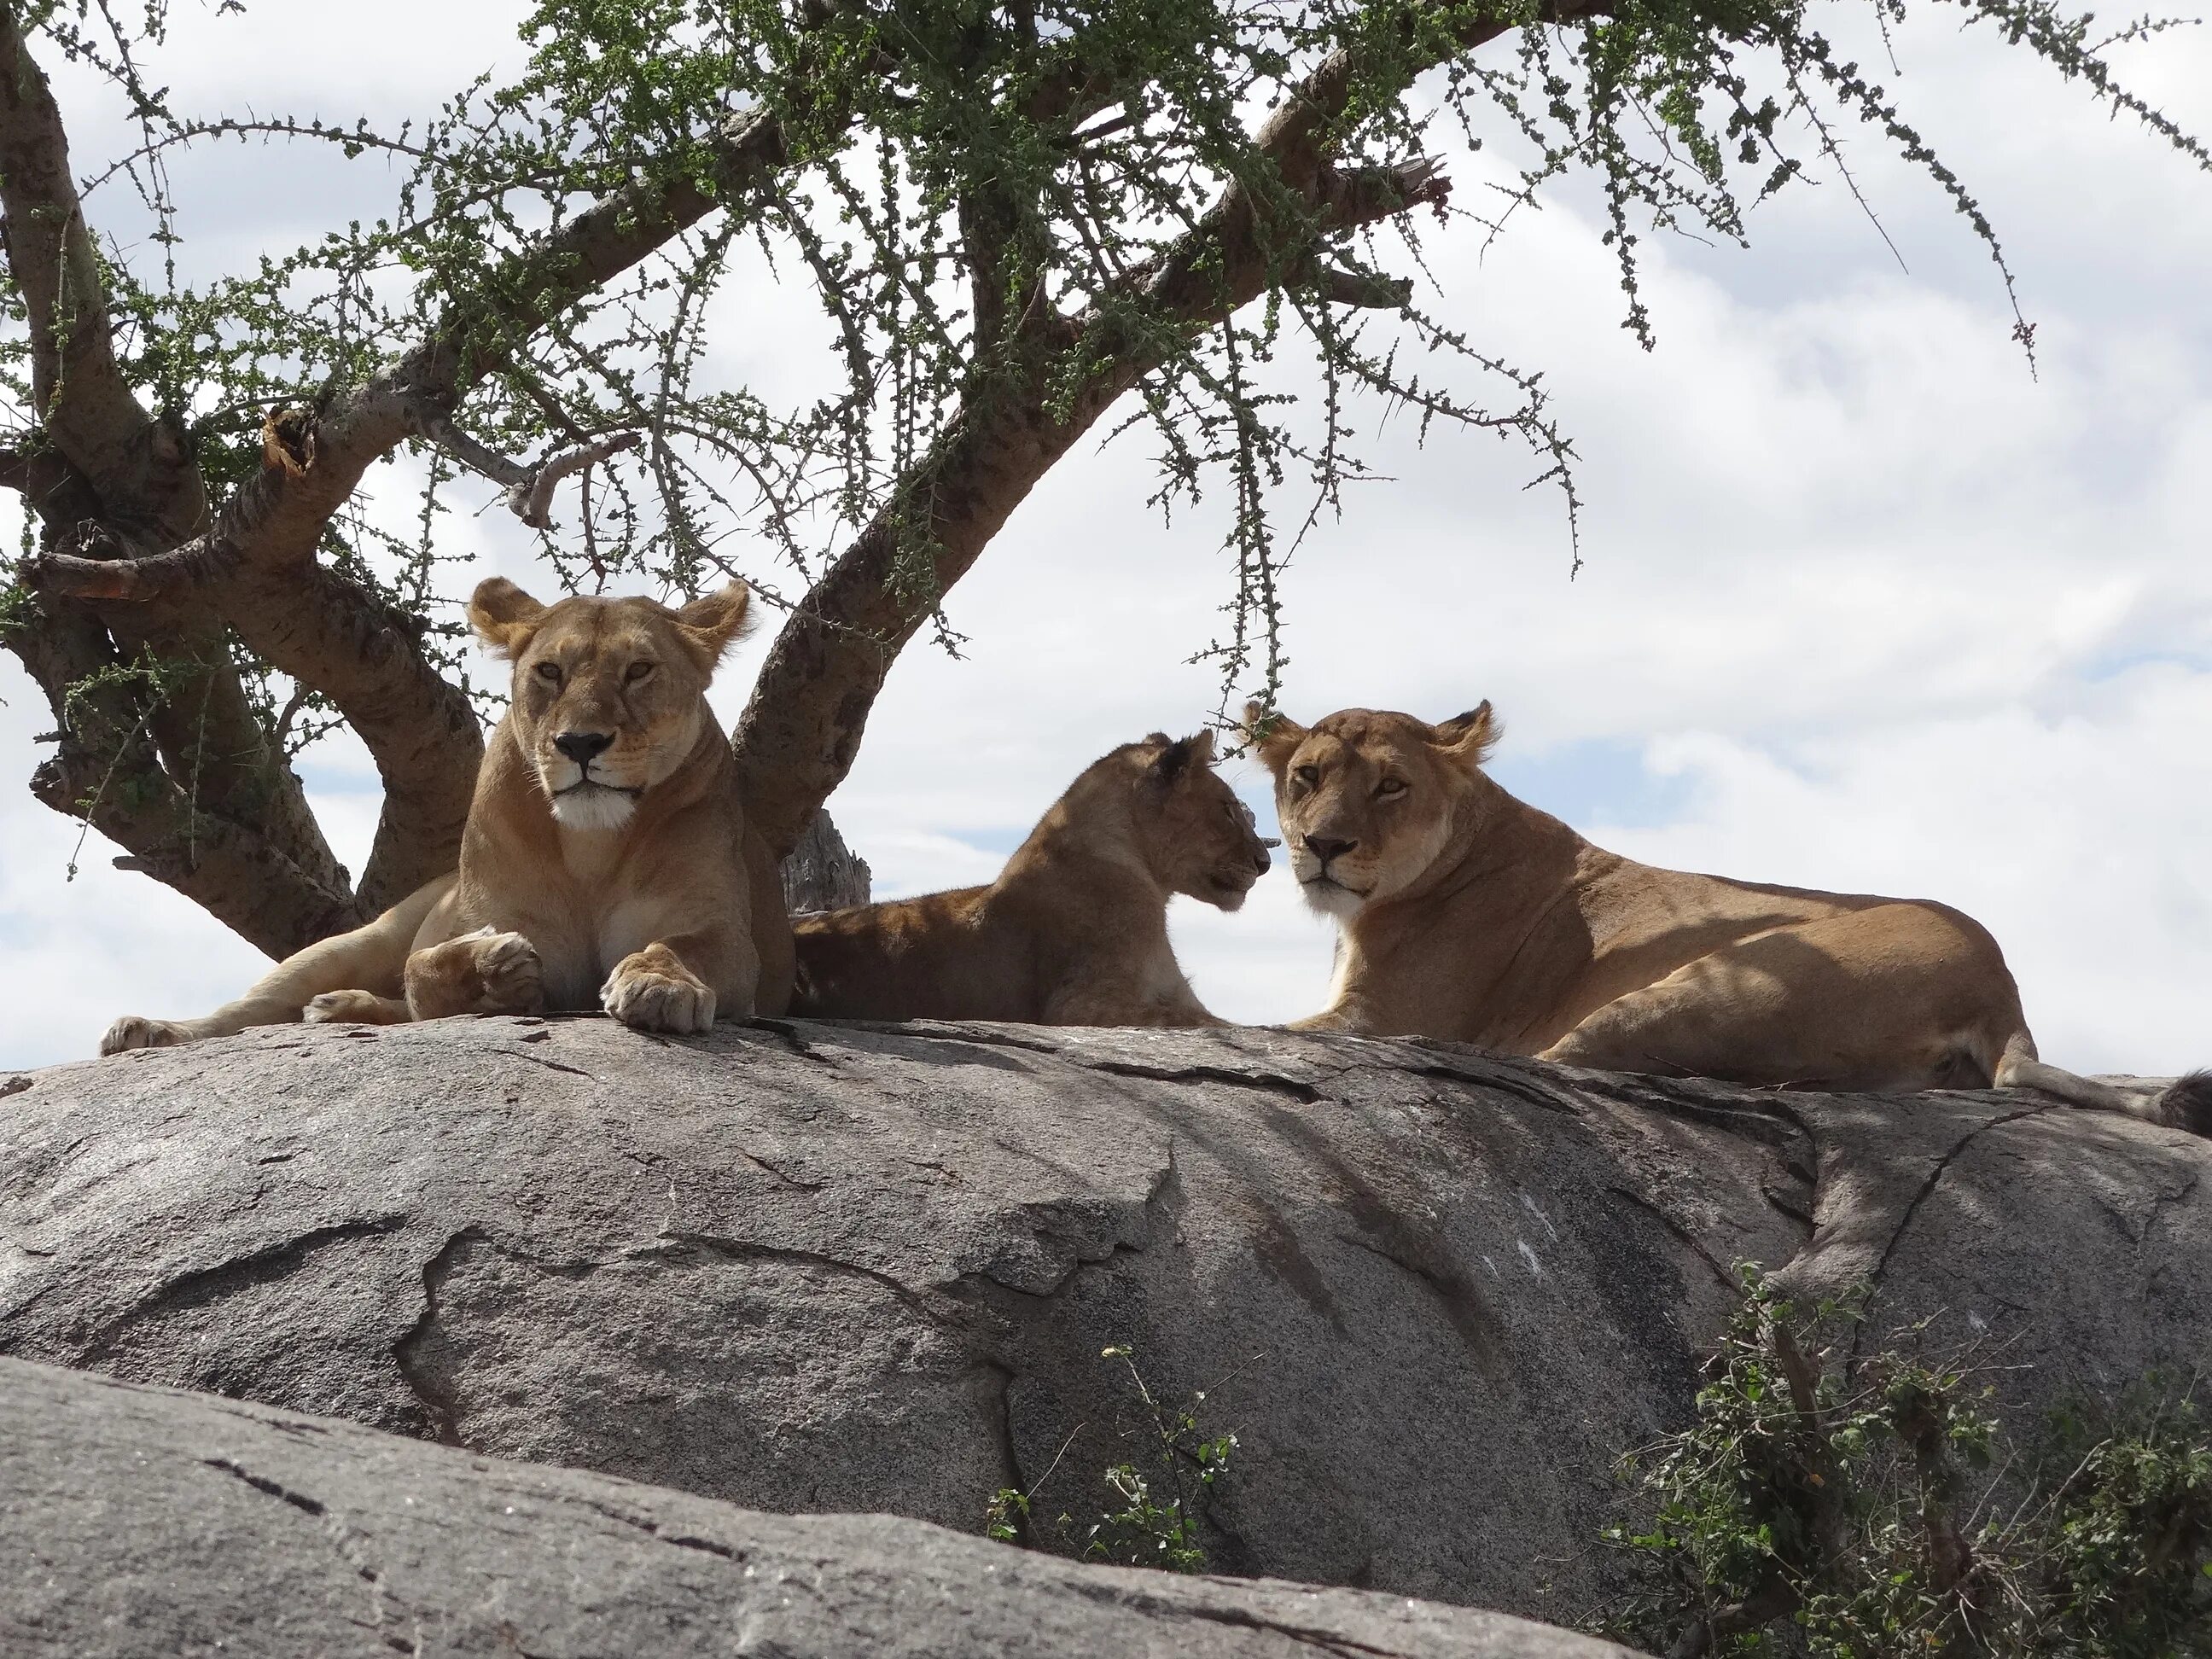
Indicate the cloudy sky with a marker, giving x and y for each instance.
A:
(1864, 607)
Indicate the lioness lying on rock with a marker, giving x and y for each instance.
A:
(1074, 931)
(1468, 915)
(605, 862)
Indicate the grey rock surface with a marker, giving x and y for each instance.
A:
(143, 1524)
(815, 1268)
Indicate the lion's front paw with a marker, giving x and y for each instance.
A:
(652, 990)
(137, 1031)
(513, 975)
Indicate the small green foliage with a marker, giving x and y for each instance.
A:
(1007, 1515)
(1875, 1510)
(1155, 1522)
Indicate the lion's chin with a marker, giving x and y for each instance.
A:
(1226, 894)
(1330, 900)
(592, 806)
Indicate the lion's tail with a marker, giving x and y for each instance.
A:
(2184, 1104)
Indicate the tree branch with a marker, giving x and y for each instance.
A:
(1366, 289)
(90, 413)
(105, 471)
(256, 564)
(230, 870)
(106, 774)
(51, 488)
(529, 490)
(366, 655)
(809, 709)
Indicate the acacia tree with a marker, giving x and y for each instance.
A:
(1020, 217)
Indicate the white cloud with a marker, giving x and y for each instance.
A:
(1864, 607)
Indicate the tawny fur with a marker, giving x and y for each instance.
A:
(628, 882)
(1074, 930)
(1471, 916)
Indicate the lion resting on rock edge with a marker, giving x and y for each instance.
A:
(1468, 915)
(1074, 931)
(605, 864)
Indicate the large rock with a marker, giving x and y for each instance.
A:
(810, 1267)
(823, 873)
(136, 1522)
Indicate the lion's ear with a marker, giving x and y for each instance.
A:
(1274, 736)
(1179, 757)
(1469, 736)
(504, 615)
(715, 622)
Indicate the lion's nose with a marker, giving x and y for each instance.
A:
(1325, 848)
(582, 746)
(1261, 861)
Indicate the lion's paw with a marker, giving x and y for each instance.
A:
(513, 974)
(347, 1008)
(652, 990)
(137, 1031)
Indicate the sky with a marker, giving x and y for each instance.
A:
(1864, 606)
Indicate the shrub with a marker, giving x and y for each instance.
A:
(1878, 1508)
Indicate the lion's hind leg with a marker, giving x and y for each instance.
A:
(370, 956)
(2184, 1104)
(1864, 1000)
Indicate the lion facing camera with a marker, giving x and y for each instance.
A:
(606, 862)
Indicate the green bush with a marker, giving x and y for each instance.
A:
(1877, 1509)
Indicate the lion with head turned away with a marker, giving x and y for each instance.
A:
(606, 862)
(1470, 917)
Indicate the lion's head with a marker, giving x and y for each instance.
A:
(1368, 801)
(1203, 841)
(609, 695)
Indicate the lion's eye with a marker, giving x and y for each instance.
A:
(1389, 789)
(637, 671)
(550, 673)
(1307, 775)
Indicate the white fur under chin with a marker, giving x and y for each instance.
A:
(593, 808)
(1330, 900)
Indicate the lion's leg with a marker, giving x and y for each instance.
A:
(1872, 1000)
(370, 957)
(355, 1008)
(1146, 992)
(1329, 1020)
(1119, 1004)
(486, 972)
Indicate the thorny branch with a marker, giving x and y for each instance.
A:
(1012, 219)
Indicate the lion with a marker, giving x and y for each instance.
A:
(1074, 931)
(605, 863)
(1468, 915)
